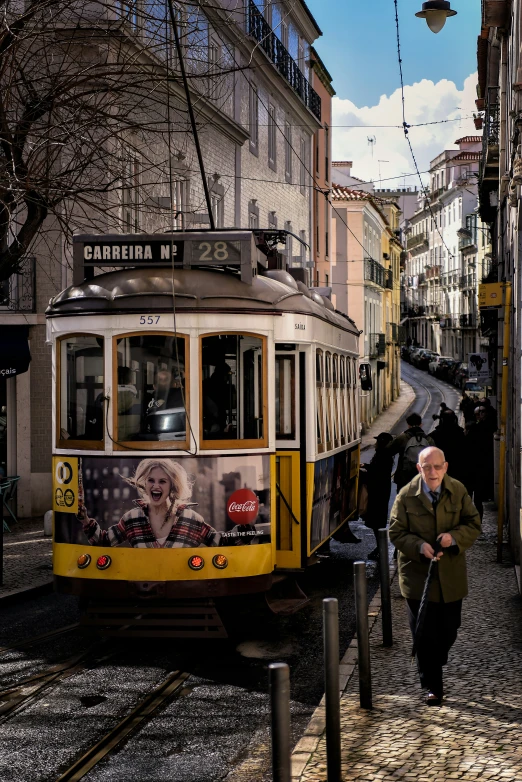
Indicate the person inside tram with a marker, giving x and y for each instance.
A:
(167, 391)
(219, 403)
(163, 516)
(165, 413)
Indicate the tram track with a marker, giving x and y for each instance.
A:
(15, 698)
(170, 687)
(37, 638)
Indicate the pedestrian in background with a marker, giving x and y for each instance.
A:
(449, 437)
(467, 408)
(378, 481)
(408, 445)
(433, 507)
(479, 459)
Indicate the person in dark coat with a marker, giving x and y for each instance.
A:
(467, 407)
(449, 437)
(408, 445)
(378, 481)
(479, 459)
(434, 507)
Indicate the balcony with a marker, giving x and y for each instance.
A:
(436, 193)
(258, 28)
(18, 293)
(447, 322)
(392, 333)
(449, 278)
(467, 281)
(433, 272)
(416, 311)
(468, 242)
(421, 280)
(491, 135)
(468, 321)
(417, 241)
(376, 273)
(377, 345)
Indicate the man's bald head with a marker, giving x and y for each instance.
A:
(432, 465)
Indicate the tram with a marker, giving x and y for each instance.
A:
(206, 427)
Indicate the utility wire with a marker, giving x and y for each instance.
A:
(406, 128)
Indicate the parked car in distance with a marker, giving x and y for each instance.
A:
(413, 353)
(444, 367)
(424, 357)
(452, 371)
(473, 390)
(434, 363)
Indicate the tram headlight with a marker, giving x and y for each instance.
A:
(220, 561)
(103, 562)
(83, 561)
(196, 562)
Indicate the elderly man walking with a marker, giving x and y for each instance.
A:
(433, 511)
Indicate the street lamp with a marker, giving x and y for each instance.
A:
(436, 12)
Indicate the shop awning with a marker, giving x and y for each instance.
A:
(14, 350)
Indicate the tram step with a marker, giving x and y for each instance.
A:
(286, 597)
(185, 619)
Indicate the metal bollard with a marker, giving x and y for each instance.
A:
(279, 688)
(363, 637)
(384, 572)
(331, 688)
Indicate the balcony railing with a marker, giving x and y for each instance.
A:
(377, 345)
(18, 293)
(376, 273)
(433, 272)
(447, 322)
(467, 281)
(417, 311)
(416, 241)
(468, 321)
(491, 132)
(258, 28)
(449, 278)
(467, 241)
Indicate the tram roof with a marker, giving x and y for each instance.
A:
(195, 290)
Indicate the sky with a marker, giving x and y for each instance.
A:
(359, 49)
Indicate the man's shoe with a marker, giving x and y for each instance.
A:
(433, 699)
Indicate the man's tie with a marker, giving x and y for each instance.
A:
(434, 499)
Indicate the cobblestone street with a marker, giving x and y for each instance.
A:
(27, 557)
(475, 734)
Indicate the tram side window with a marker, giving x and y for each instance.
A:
(81, 391)
(233, 393)
(285, 397)
(348, 399)
(335, 395)
(152, 391)
(319, 394)
(354, 400)
(342, 399)
(328, 383)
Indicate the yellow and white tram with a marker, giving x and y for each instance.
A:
(206, 433)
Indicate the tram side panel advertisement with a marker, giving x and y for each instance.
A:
(334, 497)
(162, 502)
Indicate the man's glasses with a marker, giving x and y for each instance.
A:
(429, 467)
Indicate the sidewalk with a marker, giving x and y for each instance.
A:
(27, 559)
(387, 420)
(475, 734)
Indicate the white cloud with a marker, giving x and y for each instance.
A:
(425, 102)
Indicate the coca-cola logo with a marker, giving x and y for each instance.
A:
(243, 506)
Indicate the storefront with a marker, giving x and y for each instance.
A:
(14, 360)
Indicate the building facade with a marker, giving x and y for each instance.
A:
(365, 256)
(446, 255)
(257, 114)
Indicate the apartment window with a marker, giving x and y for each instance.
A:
(326, 153)
(272, 221)
(300, 55)
(284, 34)
(179, 207)
(288, 152)
(326, 227)
(317, 152)
(130, 194)
(253, 214)
(302, 167)
(217, 200)
(254, 119)
(289, 243)
(272, 137)
(316, 199)
(302, 247)
(129, 12)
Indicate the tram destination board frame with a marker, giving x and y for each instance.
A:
(228, 249)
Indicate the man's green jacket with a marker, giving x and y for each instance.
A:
(414, 521)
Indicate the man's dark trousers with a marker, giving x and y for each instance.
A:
(439, 633)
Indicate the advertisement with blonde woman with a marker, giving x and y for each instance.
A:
(160, 502)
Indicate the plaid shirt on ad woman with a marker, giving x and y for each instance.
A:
(188, 530)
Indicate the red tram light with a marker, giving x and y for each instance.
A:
(196, 563)
(103, 562)
(83, 561)
(220, 561)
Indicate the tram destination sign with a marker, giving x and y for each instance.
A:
(182, 250)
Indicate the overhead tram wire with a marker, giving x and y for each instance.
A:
(406, 127)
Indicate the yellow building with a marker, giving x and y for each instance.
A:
(391, 257)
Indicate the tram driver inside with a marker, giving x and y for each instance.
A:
(165, 414)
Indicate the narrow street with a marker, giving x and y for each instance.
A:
(216, 724)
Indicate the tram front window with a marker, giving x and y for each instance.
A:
(152, 391)
(232, 388)
(81, 394)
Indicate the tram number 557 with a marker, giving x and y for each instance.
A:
(149, 320)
